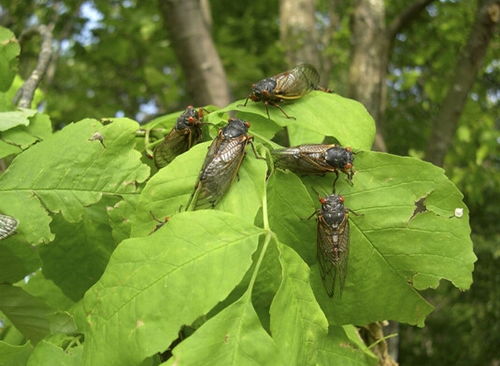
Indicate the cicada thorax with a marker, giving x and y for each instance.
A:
(185, 134)
(315, 159)
(291, 84)
(8, 226)
(333, 242)
(221, 164)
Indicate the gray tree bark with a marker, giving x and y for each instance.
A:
(372, 41)
(189, 31)
(298, 32)
(466, 69)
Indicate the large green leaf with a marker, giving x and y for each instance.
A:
(31, 316)
(38, 129)
(337, 348)
(9, 51)
(170, 189)
(297, 322)
(392, 253)
(11, 355)
(48, 354)
(155, 284)
(17, 259)
(79, 253)
(234, 337)
(67, 172)
(46, 289)
(318, 113)
(15, 118)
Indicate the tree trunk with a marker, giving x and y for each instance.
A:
(369, 59)
(195, 49)
(298, 32)
(466, 69)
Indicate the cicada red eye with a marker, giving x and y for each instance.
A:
(189, 107)
(341, 199)
(322, 200)
(191, 119)
(247, 124)
(348, 149)
(348, 166)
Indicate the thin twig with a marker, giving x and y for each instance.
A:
(25, 94)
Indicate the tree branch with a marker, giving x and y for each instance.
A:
(466, 69)
(406, 17)
(24, 95)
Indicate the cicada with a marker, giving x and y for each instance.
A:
(316, 159)
(185, 134)
(8, 226)
(333, 242)
(221, 164)
(291, 84)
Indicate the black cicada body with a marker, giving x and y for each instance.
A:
(221, 164)
(8, 226)
(333, 242)
(315, 159)
(185, 134)
(291, 84)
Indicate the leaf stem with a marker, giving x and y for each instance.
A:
(267, 240)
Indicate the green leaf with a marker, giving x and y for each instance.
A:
(297, 321)
(17, 118)
(17, 259)
(166, 280)
(45, 289)
(32, 316)
(48, 354)
(338, 347)
(9, 51)
(289, 207)
(170, 189)
(232, 337)
(39, 129)
(72, 172)
(80, 252)
(8, 149)
(320, 113)
(11, 355)
(394, 252)
(119, 217)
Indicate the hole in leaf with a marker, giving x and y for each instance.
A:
(419, 207)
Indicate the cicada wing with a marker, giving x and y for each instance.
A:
(303, 159)
(174, 144)
(344, 252)
(333, 252)
(8, 226)
(218, 173)
(296, 82)
(324, 249)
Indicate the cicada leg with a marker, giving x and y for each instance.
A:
(281, 109)
(335, 180)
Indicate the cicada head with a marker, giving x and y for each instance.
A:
(340, 158)
(332, 209)
(235, 128)
(263, 89)
(188, 119)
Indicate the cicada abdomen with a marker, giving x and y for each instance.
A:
(221, 164)
(8, 226)
(185, 134)
(315, 159)
(333, 242)
(287, 85)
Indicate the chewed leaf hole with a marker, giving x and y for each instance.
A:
(419, 207)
